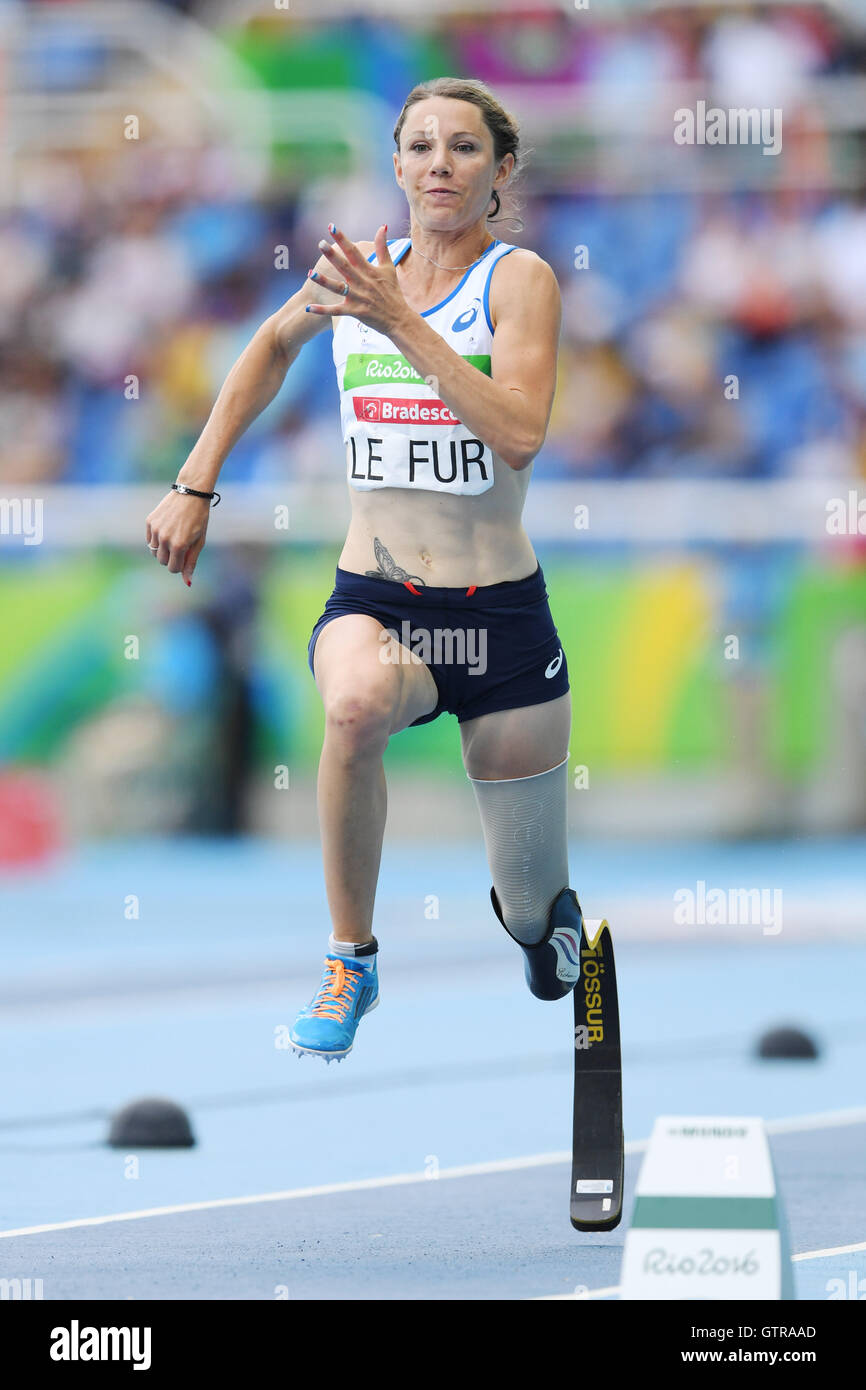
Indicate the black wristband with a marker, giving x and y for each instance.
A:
(193, 492)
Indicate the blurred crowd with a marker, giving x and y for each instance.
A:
(717, 334)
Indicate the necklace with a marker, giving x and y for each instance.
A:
(446, 267)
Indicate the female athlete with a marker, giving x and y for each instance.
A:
(445, 344)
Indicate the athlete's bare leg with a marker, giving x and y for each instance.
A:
(517, 742)
(366, 700)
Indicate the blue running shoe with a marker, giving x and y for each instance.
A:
(326, 1027)
(552, 967)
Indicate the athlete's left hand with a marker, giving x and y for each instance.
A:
(367, 291)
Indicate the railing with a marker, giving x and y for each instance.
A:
(582, 513)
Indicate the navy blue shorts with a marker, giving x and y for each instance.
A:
(490, 647)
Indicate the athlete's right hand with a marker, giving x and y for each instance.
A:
(176, 531)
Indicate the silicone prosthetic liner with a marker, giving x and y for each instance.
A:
(525, 825)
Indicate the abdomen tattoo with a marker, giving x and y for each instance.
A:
(388, 567)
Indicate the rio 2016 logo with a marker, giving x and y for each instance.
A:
(705, 1261)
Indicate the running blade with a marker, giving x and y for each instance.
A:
(597, 1146)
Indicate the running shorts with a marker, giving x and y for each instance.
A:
(489, 647)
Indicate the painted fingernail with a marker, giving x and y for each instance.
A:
(187, 582)
(307, 308)
(324, 245)
(332, 229)
(312, 274)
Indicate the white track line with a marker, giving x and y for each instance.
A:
(837, 1250)
(827, 1119)
(830, 1119)
(469, 1170)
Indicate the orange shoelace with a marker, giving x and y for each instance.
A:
(336, 993)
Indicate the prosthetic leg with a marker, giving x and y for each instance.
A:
(552, 967)
(525, 824)
(526, 836)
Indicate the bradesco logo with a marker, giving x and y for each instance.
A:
(394, 410)
(374, 369)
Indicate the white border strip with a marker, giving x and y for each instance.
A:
(830, 1119)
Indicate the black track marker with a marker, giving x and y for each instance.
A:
(597, 1145)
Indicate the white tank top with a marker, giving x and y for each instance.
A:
(397, 431)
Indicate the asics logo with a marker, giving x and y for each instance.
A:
(466, 319)
(553, 666)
